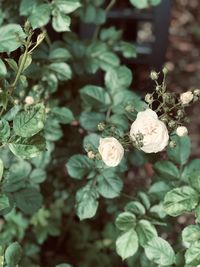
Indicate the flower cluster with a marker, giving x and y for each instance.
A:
(150, 132)
(147, 133)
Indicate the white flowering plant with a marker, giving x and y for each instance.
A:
(91, 173)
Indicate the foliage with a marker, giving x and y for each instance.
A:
(54, 108)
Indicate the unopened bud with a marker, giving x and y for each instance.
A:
(29, 100)
(171, 124)
(180, 113)
(101, 126)
(181, 131)
(165, 70)
(172, 144)
(196, 92)
(148, 98)
(154, 75)
(91, 155)
(40, 38)
(129, 108)
(164, 119)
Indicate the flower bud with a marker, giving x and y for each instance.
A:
(91, 155)
(186, 97)
(181, 131)
(154, 75)
(101, 126)
(172, 144)
(171, 124)
(129, 108)
(29, 100)
(148, 98)
(196, 92)
(167, 97)
(180, 113)
(165, 70)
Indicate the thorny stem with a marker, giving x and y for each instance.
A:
(96, 32)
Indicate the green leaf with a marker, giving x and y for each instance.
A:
(118, 79)
(180, 200)
(30, 122)
(181, 152)
(127, 244)
(166, 169)
(28, 147)
(63, 115)
(12, 63)
(59, 53)
(108, 60)
(9, 37)
(155, 2)
(135, 207)
(192, 166)
(95, 97)
(125, 221)
(79, 166)
(13, 254)
(40, 15)
(67, 6)
(61, 22)
(86, 201)
(128, 49)
(62, 70)
(5, 206)
(28, 200)
(159, 251)
(100, 16)
(3, 70)
(26, 7)
(91, 142)
(159, 189)
(90, 120)
(146, 231)
(192, 255)
(4, 130)
(109, 185)
(194, 180)
(190, 234)
(140, 3)
(53, 131)
(16, 177)
(38, 176)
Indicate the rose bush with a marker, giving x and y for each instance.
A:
(89, 170)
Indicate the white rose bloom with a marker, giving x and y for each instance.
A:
(186, 97)
(29, 100)
(181, 131)
(111, 151)
(154, 132)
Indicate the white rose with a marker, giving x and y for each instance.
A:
(181, 131)
(186, 97)
(111, 151)
(154, 132)
(29, 100)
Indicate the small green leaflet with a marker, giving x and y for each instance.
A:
(28, 147)
(180, 200)
(13, 254)
(127, 244)
(159, 251)
(86, 201)
(30, 122)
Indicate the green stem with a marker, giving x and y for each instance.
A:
(21, 66)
